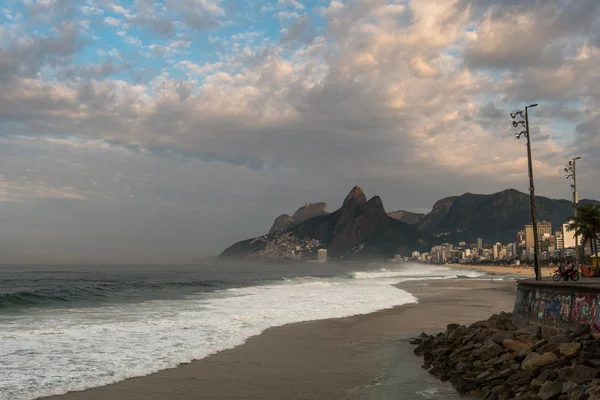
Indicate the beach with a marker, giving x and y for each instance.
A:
(517, 270)
(360, 357)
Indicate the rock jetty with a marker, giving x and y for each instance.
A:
(494, 360)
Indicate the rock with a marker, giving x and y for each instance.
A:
(476, 393)
(457, 333)
(501, 336)
(582, 329)
(550, 390)
(539, 344)
(568, 387)
(560, 339)
(579, 374)
(551, 347)
(519, 378)
(515, 345)
(483, 375)
(500, 389)
(489, 350)
(536, 383)
(534, 361)
(533, 331)
(547, 375)
(569, 349)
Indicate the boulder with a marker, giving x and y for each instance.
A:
(532, 331)
(489, 350)
(569, 349)
(501, 336)
(534, 361)
(457, 333)
(551, 347)
(550, 390)
(568, 387)
(515, 345)
(579, 374)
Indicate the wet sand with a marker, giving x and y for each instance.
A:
(360, 357)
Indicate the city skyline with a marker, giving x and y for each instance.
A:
(141, 131)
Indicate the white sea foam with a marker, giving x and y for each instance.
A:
(48, 353)
(420, 271)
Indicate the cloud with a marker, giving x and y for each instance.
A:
(290, 3)
(110, 21)
(408, 99)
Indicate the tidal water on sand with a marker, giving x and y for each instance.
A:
(77, 327)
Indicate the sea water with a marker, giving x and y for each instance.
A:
(78, 327)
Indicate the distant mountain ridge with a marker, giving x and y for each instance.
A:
(406, 216)
(362, 228)
(492, 217)
(359, 228)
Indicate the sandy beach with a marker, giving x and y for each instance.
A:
(525, 272)
(360, 357)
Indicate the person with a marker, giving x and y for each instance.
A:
(567, 271)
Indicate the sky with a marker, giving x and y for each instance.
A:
(161, 131)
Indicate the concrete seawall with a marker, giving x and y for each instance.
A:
(558, 306)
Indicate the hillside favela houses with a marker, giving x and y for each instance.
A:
(554, 245)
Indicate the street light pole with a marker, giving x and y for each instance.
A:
(536, 243)
(571, 171)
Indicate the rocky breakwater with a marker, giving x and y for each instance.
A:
(494, 360)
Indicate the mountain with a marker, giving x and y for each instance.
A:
(495, 217)
(308, 211)
(281, 223)
(359, 228)
(406, 216)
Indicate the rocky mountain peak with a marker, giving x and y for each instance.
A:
(308, 211)
(355, 198)
(281, 223)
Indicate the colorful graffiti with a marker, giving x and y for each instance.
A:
(553, 309)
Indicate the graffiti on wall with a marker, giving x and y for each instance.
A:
(551, 309)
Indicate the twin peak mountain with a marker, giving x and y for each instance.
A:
(362, 228)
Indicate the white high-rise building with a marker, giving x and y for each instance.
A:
(322, 255)
(568, 237)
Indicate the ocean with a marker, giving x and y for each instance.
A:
(65, 328)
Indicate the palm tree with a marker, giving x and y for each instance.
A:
(587, 224)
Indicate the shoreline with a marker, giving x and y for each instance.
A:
(355, 357)
(518, 271)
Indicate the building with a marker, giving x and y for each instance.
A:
(529, 240)
(479, 243)
(416, 254)
(559, 243)
(568, 237)
(322, 255)
(520, 237)
(544, 227)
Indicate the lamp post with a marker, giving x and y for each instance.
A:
(525, 123)
(571, 172)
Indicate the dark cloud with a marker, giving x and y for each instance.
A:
(298, 31)
(25, 56)
(490, 111)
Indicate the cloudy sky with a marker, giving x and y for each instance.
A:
(153, 131)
